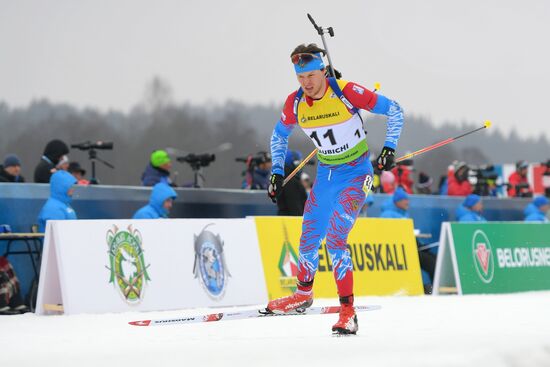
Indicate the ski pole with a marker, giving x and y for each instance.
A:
(486, 125)
(321, 32)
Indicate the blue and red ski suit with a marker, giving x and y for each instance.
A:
(344, 171)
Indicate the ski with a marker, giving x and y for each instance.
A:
(245, 314)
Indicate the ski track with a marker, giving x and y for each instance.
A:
(490, 330)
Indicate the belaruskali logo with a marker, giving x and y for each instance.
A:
(484, 260)
(127, 264)
(210, 266)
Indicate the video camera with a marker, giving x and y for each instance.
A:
(89, 145)
(484, 178)
(253, 161)
(196, 161)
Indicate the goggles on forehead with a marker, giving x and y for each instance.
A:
(303, 59)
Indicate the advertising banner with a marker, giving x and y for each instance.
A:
(100, 266)
(383, 252)
(500, 257)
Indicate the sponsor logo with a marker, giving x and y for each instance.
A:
(210, 266)
(288, 264)
(483, 257)
(127, 263)
(323, 116)
(358, 89)
(338, 150)
(303, 119)
(367, 185)
(369, 257)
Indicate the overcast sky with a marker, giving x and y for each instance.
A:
(447, 60)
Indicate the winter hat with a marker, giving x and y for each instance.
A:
(471, 200)
(293, 158)
(521, 165)
(75, 167)
(399, 195)
(424, 181)
(159, 157)
(55, 149)
(11, 160)
(541, 201)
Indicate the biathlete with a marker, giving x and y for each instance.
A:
(327, 110)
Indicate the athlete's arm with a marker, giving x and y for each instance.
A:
(279, 138)
(364, 99)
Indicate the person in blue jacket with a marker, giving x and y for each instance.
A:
(541, 205)
(160, 203)
(470, 210)
(397, 206)
(58, 205)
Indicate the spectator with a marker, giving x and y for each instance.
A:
(158, 169)
(306, 182)
(424, 184)
(387, 182)
(78, 172)
(160, 203)
(11, 170)
(262, 172)
(546, 179)
(294, 195)
(58, 205)
(11, 301)
(53, 152)
(397, 207)
(541, 204)
(403, 172)
(63, 164)
(470, 210)
(457, 180)
(518, 183)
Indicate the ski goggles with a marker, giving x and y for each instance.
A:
(307, 62)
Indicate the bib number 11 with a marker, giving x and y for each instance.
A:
(330, 136)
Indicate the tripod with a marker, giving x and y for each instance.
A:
(92, 156)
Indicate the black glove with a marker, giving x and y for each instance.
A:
(386, 159)
(275, 187)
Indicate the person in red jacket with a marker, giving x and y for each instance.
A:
(403, 175)
(458, 180)
(518, 183)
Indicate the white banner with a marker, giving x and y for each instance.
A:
(98, 266)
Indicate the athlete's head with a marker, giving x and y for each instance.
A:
(310, 69)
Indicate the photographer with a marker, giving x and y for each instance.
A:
(518, 183)
(258, 171)
(293, 197)
(158, 169)
(11, 170)
(403, 175)
(457, 178)
(53, 152)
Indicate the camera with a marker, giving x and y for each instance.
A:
(89, 145)
(253, 161)
(484, 178)
(197, 160)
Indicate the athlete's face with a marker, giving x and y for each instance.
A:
(313, 83)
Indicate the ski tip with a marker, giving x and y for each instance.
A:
(140, 323)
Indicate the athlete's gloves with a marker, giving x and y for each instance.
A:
(386, 159)
(275, 187)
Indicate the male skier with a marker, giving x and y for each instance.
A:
(327, 111)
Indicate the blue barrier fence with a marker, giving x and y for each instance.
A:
(21, 203)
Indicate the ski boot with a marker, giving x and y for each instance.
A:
(296, 303)
(347, 322)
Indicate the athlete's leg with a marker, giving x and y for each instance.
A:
(349, 196)
(314, 225)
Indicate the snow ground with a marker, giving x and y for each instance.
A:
(504, 330)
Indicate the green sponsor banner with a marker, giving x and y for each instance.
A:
(495, 257)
